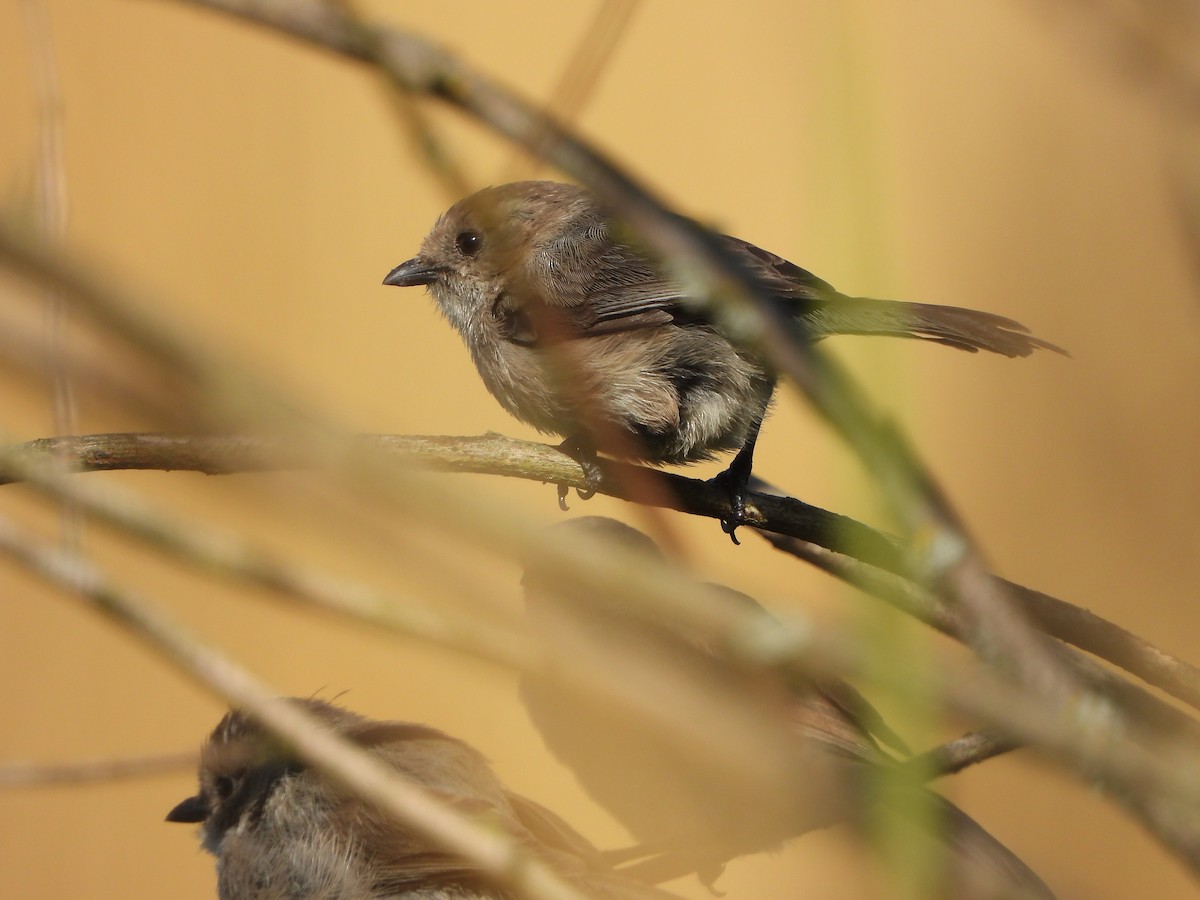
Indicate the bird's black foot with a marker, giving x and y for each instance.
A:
(735, 486)
(580, 450)
(734, 481)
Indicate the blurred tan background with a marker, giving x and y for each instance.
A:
(995, 154)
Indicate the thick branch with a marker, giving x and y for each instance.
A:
(488, 454)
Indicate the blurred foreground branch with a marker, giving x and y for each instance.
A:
(36, 774)
(1153, 780)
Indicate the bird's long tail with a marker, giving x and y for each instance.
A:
(979, 866)
(966, 329)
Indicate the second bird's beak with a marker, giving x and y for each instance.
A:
(193, 809)
(412, 273)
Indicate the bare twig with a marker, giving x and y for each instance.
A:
(486, 454)
(1183, 186)
(1087, 631)
(51, 218)
(1110, 642)
(23, 775)
(967, 750)
(576, 83)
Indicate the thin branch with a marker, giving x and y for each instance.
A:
(953, 756)
(1183, 188)
(491, 454)
(577, 82)
(1088, 632)
(25, 775)
(51, 216)
(1110, 642)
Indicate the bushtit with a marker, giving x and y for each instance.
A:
(281, 831)
(578, 332)
(697, 818)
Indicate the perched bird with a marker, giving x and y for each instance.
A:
(282, 831)
(580, 333)
(697, 816)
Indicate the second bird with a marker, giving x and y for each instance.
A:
(579, 332)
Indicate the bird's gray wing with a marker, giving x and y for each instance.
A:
(550, 830)
(590, 281)
(782, 279)
(597, 284)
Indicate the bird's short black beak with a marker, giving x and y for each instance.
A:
(193, 809)
(410, 274)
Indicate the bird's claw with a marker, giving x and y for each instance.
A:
(730, 523)
(593, 477)
(735, 487)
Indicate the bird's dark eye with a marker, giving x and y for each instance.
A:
(469, 243)
(224, 787)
